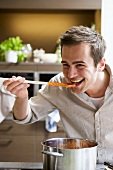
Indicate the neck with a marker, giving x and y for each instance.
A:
(101, 85)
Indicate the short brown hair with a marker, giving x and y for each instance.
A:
(81, 34)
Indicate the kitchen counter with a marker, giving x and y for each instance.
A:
(30, 165)
(21, 165)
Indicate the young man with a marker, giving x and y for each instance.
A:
(86, 110)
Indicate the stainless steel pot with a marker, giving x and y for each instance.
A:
(69, 153)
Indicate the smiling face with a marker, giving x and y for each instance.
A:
(78, 68)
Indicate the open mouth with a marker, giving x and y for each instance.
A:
(77, 82)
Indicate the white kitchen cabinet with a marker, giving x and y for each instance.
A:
(50, 4)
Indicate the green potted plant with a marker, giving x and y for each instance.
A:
(12, 47)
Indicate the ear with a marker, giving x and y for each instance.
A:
(101, 64)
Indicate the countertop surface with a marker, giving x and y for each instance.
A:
(30, 67)
(21, 165)
(31, 165)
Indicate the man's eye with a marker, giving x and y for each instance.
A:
(65, 65)
(80, 66)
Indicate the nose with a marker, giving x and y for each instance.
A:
(72, 72)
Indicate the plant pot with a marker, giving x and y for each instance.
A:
(11, 56)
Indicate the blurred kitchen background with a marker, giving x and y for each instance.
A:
(41, 24)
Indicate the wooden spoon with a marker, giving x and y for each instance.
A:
(50, 83)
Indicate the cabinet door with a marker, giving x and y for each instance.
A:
(39, 155)
(17, 149)
(9, 127)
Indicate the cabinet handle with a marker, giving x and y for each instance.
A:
(5, 128)
(5, 142)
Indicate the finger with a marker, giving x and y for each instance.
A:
(20, 90)
(22, 86)
(10, 80)
(19, 79)
(14, 81)
(16, 85)
(7, 82)
(21, 93)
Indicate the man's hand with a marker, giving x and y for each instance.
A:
(16, 85)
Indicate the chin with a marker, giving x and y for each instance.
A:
(78, 91)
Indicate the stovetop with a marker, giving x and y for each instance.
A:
(35, 165)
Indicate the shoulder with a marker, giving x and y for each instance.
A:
(111, 76)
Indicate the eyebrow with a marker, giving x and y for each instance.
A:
(75, 62)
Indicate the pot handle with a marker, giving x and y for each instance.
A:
(53, 153)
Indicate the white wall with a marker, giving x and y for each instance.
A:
(107, 28)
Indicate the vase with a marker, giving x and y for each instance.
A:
(11, 56)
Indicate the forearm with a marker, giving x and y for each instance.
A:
(20, 109)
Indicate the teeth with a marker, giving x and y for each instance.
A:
(76, 81)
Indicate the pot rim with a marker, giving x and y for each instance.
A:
(52, 139)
